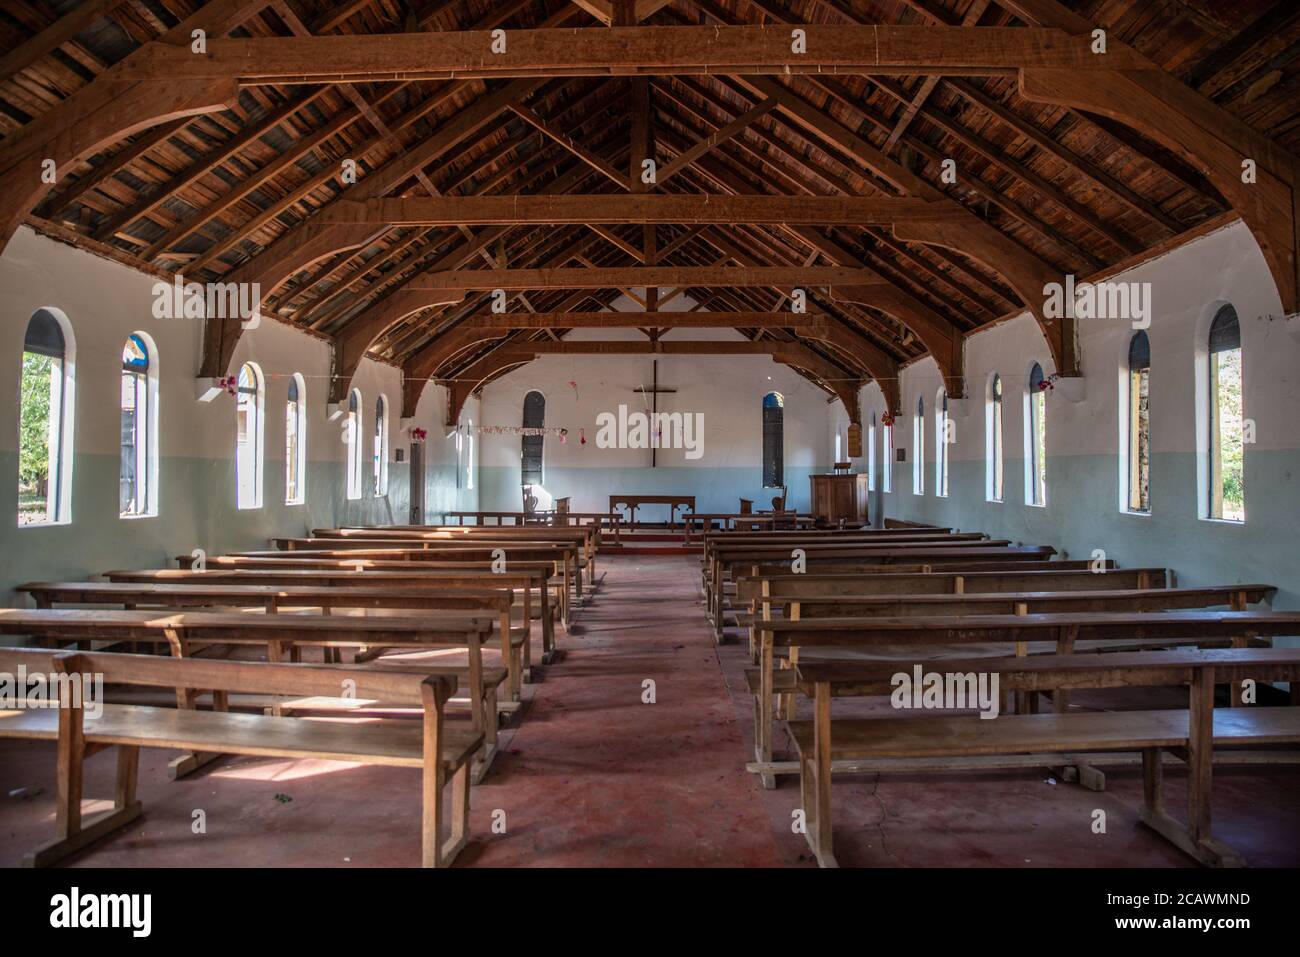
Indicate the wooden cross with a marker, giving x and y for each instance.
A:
(654, 390)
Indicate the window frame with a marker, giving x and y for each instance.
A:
(533, 417)
(59, 436)
(354, 439)
(1225, 324)
(887, 453)
(995, 475)
(871, 453)
(146, 430)
(918, 447)
(1133, 430)
(295, 460)
(379, 454)
(1035, 421)
(258, 438)
(773, 449)
(941, 443)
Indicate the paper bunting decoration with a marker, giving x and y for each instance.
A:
(519, 430)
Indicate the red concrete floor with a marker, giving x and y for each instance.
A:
(589, 775)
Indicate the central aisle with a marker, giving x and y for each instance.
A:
(596, 777)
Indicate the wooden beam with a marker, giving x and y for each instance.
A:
(714, 139)
(549, 130)
(109, 109)
(662, 320)
(631, 51)
(645, 208)
(643, 276)
(61, 31)
(606, 11)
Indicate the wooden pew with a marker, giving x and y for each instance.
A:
(797, 607)
(442, 751)
(588, 537)
(562, 559)
(817, 557)
(525, 581)
(731, 521)
(1058, 632)
(1056, 738)
(276, 599)
(597, 520)
(791, 540)
(280, 635)
(360, 564)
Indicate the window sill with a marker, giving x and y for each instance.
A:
(45, 524)
(1134, 514)
(135, 516)
(1239, 522)
(289, 503)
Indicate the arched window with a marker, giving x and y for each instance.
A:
(1036, 438)
(469, 456)
(773, 440)
(45, 421)
(532, 447)
(941, 441)
(871, 454)
(295, 442)
(1227, 447)
(249, 435)
(887, 463)
(353, 434)
(138, 474)
(1137, 406)
(381, 447)
(918, 448)
(993, 441)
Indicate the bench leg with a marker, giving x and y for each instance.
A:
(822, 783)
(808, 800)
(514, 664)
(1194, 839)
(763, 715)
(74, 832)
(459, 817)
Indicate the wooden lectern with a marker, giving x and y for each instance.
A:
(839, 497)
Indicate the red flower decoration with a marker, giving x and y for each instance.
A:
(418, 435)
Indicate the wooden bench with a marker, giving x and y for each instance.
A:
(523, 580)
(360, 564)
(280, 635)
(277, 599)
(587, 536)
(816, 557)
(597, 520)
(732, 521)
(1057, 738)
(796, 607)
(1060, 633)
(566, 556)
(442, 751)
(563, 558)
